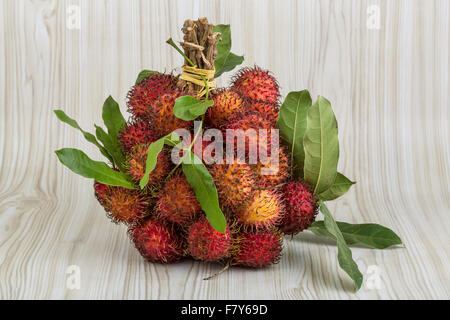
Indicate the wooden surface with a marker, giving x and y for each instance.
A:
(389, 88)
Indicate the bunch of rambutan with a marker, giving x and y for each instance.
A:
(166, 221)
(232, 208)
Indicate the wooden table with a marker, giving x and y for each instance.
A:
(390, 91)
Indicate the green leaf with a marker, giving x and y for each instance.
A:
(339, 187)
(321, 146)
(112, 117)
(152, 158)
(188, 108)
(80, 163)
(231, 62)
(115, 122)
(344, 253)
(368, 234)
(202, 182)
(112, 147)
(88, 136)
(152, 155)
(145, 74)
(292, 125)
(225, 60)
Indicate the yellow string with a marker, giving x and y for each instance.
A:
(194, 75)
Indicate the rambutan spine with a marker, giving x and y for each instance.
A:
(301, 207)
(156, 241)
(126, 205)
(161, 116)
(257, 84)
(227, 105)
(142, 95)
(134, 133)
(177, 203)
(264, 210)
(207, 244)
(136, 164)
(234, 182)
(258, 248)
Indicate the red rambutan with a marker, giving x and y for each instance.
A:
(161, 114)
(136, 162)
(126, 205)
(156, 241)
(207, 244)
(234, 183)
(142, 95)
(247, 129)
(270, 111)
(177, 202)
(301, 208)
(257, 85)
(259, 248)
(271, 175)
(101, 191)
(263, 211)
(227, 104)
(134, 133)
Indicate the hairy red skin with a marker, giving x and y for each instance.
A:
(161, 116)
(101, 191)
(251, 121)
(259, 248)
(263, 211)
(227, 105)
(142, 95)
(126, 205)
(207, 244)
(156, 241)
(301, 208)
(235, 184)
(257, 85)
(278, 175)
(269, 110)
(134, 133)
(177, 202)
(136, 163)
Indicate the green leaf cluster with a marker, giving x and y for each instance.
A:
(225, 60)
(107, 143)
(310, 131)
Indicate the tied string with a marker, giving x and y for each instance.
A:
(194, 75)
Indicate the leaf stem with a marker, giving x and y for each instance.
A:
(174, 45)
(189, 149)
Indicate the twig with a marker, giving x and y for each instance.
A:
(228, 265)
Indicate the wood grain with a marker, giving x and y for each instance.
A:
(389, 88)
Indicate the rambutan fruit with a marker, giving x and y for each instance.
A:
(301, 208)
(134, 133)
(136, 162)
(207, 244)
(177, 202)
(234, 183)
(258, 248)
(161, 114)
(263, 211)
(101, 191)
(271, 175)
(156, 241)
(227, 104)
(126, 205)
(247, 128)
(142, 95)
(270, 111)
(257, 85)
